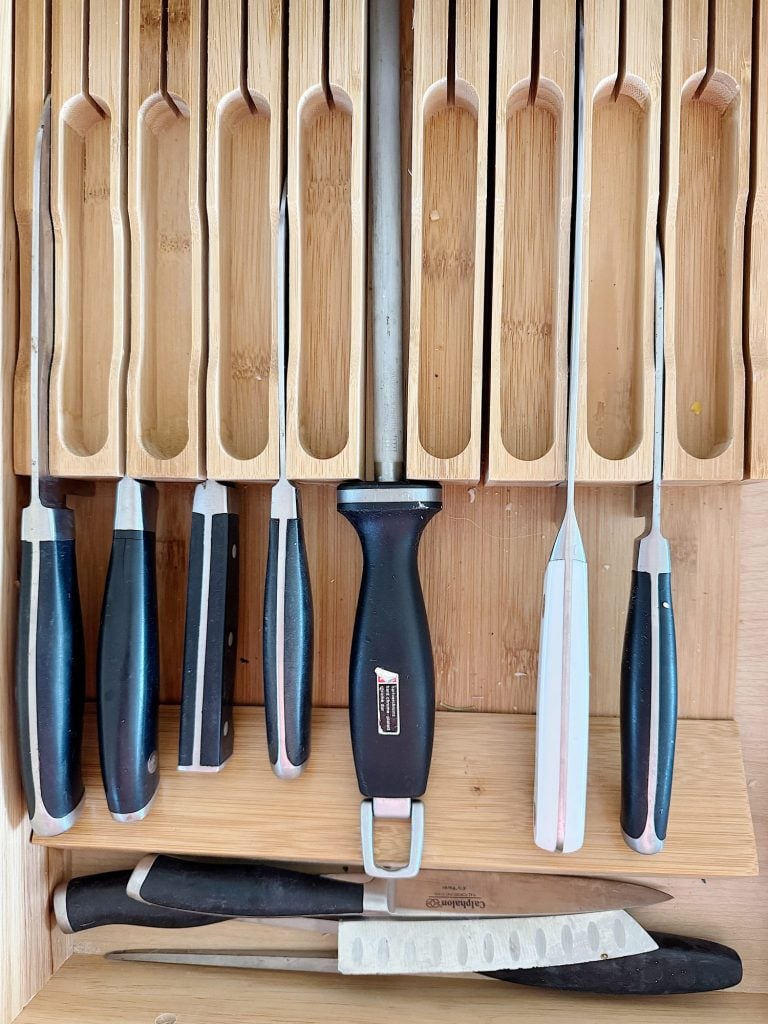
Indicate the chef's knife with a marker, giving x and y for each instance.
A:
(128, 671)
(248, 889)
(206, 736)
(288, 626)
(50, 676)
(649, 661)
(678, 966)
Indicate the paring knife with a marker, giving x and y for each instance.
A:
(50, 659)
(206, 736)
(678, 966)
(562, 706)
(288, 627)
(649, 662)
(391, 671)
(128, 670)
(249, 889)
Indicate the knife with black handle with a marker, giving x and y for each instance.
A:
(206, 737)
(50, 663)
(252, 889)
(679, 965)
(288, 613)
(128, 668)
(649, 660)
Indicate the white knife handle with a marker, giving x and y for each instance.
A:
(562, 711)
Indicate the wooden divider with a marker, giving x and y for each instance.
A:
(707, 135)
(622, 127)
(756, 285)
(88, 204)
(245, 174)
(166, 204)
(30, 85)
(448, 213)
(327, 211)
(531, 246)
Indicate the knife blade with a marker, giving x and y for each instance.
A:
(50, 657)
(249, 889)
(679, 966)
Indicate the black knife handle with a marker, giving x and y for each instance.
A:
(95, 900)
(391, 672)
(206, 738)
(128, 661)
(679, 966)
(50, 671)
(241, 889)
(288, 700)
(648, 719)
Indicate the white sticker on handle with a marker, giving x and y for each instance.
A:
(388, 702)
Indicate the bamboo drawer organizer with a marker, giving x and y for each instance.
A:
(174, 124)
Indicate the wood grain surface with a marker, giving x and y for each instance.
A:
(479, 803)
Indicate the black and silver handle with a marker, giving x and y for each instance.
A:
(128, 658)
(95, 900)
(241, 889)
(50, 670)
(648, 699)
(287, 637)
(678, 967)
(206, 737)
(391, 671)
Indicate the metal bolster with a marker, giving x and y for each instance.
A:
(405, 810)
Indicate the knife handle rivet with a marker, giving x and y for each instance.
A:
(234, 550)
(152, 763)
(226, 728)
(230, 639)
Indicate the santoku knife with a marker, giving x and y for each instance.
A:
(249, 889)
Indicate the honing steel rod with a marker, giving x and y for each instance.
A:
(391, 674)
(562, 709)
(649, 663)
(288, 632)
(206, 734)
(50, 678)
(128, 667)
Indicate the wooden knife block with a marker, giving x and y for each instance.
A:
(169, 152)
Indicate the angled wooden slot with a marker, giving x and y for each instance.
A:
(327, 211)
(622, 126)
(703, 224)
(244, 184)
(449, 160)
(756, 264)
(30, 85)
(168, 316)
(88, 200)
(531, 245)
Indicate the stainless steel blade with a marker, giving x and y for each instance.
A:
(391, 946)
(503, 894)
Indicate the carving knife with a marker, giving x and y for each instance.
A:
(562, 706)
(288, 628)
(206, 735)
(391, 673)
(128, 669)
(50, 679)
(251, 889)
(649, 662)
